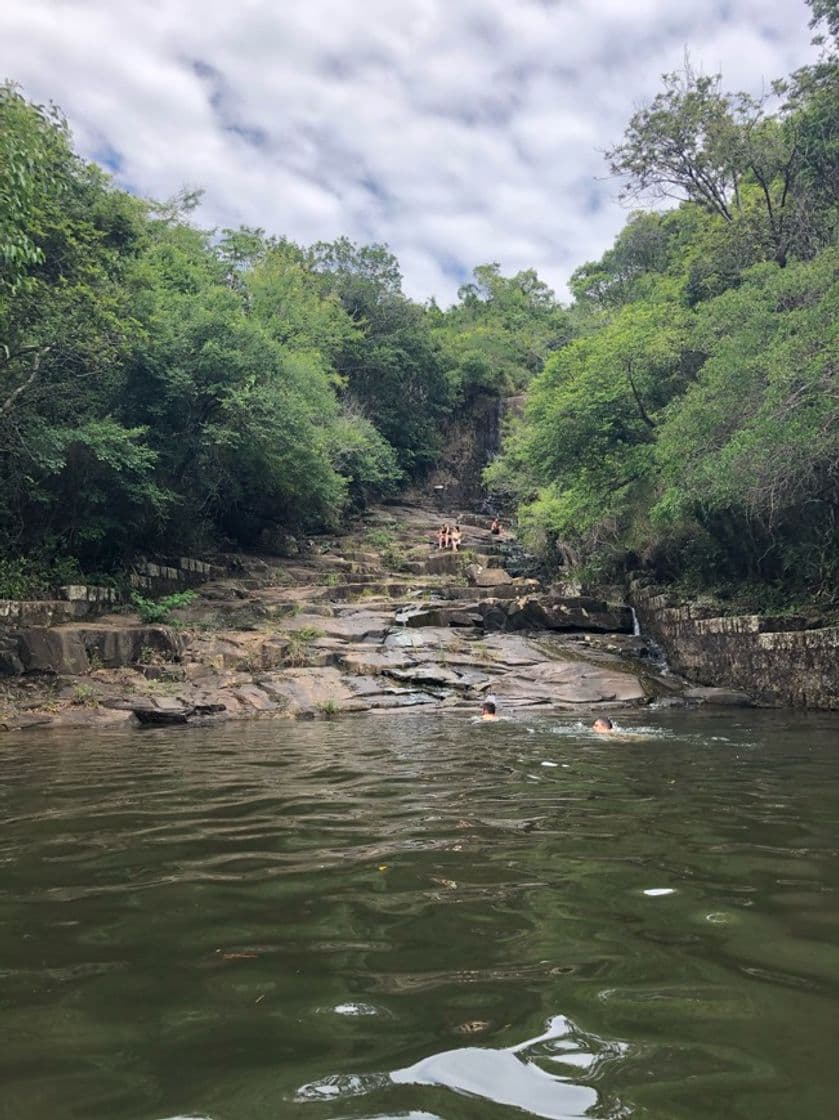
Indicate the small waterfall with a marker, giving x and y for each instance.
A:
(657, 654)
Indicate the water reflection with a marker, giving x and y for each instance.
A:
(514, 1076)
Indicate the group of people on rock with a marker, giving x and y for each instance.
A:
(449, 536)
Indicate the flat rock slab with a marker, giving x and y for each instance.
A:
(358, 626)
(572, 682)
(437, 676)
(431, 637)
(312, 691)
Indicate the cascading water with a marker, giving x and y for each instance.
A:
(657, 654)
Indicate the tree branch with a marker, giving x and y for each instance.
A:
(6, 406)
(645, 416)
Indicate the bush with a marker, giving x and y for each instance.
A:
(160, 611)
(28, 577)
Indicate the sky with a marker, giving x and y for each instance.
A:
(459, 132)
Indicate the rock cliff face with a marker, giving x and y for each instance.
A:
(471, 443)
(776, 660)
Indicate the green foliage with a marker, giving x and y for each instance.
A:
(165, 388)
(298, 651)
(380, 538)
(84, 696)
(500, 333)
(26, 577)
(159, 611)
(691, 426)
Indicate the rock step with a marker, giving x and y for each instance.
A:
(529, 612)
(74, 649)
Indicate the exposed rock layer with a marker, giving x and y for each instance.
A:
(775, 660)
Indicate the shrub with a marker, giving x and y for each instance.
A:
(160, 611)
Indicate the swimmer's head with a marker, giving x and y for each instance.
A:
(488, 710)
(603, 724)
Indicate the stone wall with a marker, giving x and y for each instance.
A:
(153, 578)
(776, 660)
(28, 642)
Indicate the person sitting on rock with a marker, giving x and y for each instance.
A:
(455, 537)
(488, 710)
(442, 535)
(603, 725)
(495, 527)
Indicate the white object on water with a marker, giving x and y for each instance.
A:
(550, 763)
(656, 892)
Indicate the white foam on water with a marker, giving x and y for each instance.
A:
(657, 892)
(355, 1009)
(550, 764)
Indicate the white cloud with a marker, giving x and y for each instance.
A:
(458, 131)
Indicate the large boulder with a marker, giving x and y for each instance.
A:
(438, 614)
(72, 650)
(545, 612)
(59, 651)
(487, 577)
(114, 646)
(162, 711)
(443, 563)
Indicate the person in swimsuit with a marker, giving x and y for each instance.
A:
(495, 527)
(488, 710)
(455, 537)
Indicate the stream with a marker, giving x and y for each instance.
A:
(423, 917)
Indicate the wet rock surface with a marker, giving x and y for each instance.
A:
(375, 619)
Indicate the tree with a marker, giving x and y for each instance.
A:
(391, 365)
(694, 142)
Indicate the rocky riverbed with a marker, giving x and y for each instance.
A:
(374, 619)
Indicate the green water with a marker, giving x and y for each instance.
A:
(421, 918)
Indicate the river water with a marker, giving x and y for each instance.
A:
(423, 918)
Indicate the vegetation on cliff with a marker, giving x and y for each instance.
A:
(692, 425)
(164, 387)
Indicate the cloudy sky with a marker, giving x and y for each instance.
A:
(457, 131)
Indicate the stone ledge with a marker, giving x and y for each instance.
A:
(777, 660)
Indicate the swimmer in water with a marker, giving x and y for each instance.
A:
(603, 725)
(488, 710)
